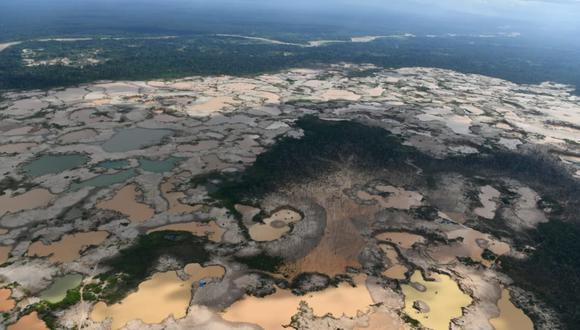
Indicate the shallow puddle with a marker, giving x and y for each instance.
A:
(510, 316)
(443, 297)
(472, 246)
(158, 166)
(273, 311)
(57, 290)
(4, 253)
(31, 199)
(6, 301)
(52, 164)
(397, 270)
(398, 198)
(28, 322)
(114, 164)
(69, 247)
(135, 138)
(157, 298)
(274, 227)
(125, 201)
(211, 229)
(104, 180)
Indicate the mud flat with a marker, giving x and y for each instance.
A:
(31, 199)
(510, 317)
(125, 201)
(276, 310)
(442, 296)
(28, 322)
(163, 295)
(68, 249)
(213, 232)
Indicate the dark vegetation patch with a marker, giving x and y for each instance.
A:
(262, 262)
(426, 212)
(310, 282)
(553, 270)
(300, 160)
(488, 255)
(327, 143)
(135, 263)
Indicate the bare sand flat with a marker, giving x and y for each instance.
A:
(16, 148)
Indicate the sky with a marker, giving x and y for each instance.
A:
(530, 17)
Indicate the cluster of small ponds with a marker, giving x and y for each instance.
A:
(443, 297)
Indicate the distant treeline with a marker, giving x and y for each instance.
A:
(139, 59)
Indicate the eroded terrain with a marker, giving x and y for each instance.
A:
(342, 197)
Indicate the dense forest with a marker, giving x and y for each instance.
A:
(24, 66)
